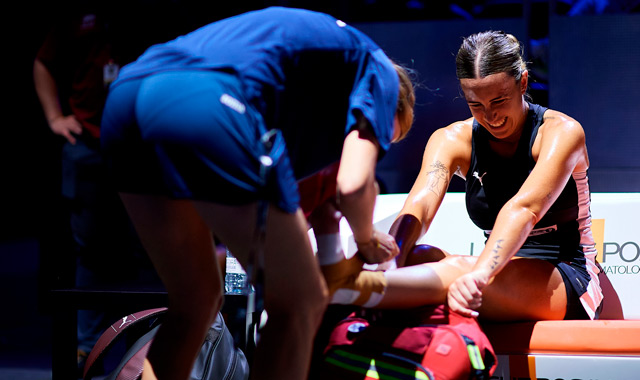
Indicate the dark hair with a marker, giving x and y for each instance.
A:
(406, 101)
(490, 52)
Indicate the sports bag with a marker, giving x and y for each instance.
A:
(430, 343)
(218, 359)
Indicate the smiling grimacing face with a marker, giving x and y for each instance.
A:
(497, 103)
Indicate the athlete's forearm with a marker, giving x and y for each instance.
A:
(406, 229)
(511, 229)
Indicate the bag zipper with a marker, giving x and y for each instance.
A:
(215, 345)
(231, 370)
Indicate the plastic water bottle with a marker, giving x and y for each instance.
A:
(235, 279)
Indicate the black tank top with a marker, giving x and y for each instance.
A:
(492, 180)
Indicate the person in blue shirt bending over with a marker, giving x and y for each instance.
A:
(207, 135)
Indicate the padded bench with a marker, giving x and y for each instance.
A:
(601, 349)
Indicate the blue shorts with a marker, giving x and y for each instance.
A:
(561, 248)
(193, 135)
(576, 278)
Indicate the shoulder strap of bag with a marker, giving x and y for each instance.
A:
(131, 367)
(113, 332)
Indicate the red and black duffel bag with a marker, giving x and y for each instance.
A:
(429, 343)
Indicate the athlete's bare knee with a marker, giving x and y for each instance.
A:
(461, 262)
(424, 253)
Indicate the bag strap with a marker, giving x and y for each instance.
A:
(113, 332)
(478, 368)
(132, 368)
(274, 150)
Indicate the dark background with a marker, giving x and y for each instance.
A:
(586, 65)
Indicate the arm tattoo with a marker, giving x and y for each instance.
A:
(437, 178)
(496, 254)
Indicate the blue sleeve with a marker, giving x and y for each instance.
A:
(375, 94)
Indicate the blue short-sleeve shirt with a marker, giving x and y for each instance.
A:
(307, 74)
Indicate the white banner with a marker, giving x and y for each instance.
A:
(566, 367)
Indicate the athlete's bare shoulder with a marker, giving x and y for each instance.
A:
(457, 132)
(554, 120)
(454, 142)
(560, 130)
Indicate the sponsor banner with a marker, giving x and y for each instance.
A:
(566, 367)
(615, 231)
(617, 236)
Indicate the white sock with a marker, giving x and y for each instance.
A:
(329, 249)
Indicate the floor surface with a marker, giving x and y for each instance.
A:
(25, 331)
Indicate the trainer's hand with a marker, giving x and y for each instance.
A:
(382, 247)
(67, 127)
(465, 294)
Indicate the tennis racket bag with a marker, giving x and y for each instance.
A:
(218, 359)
